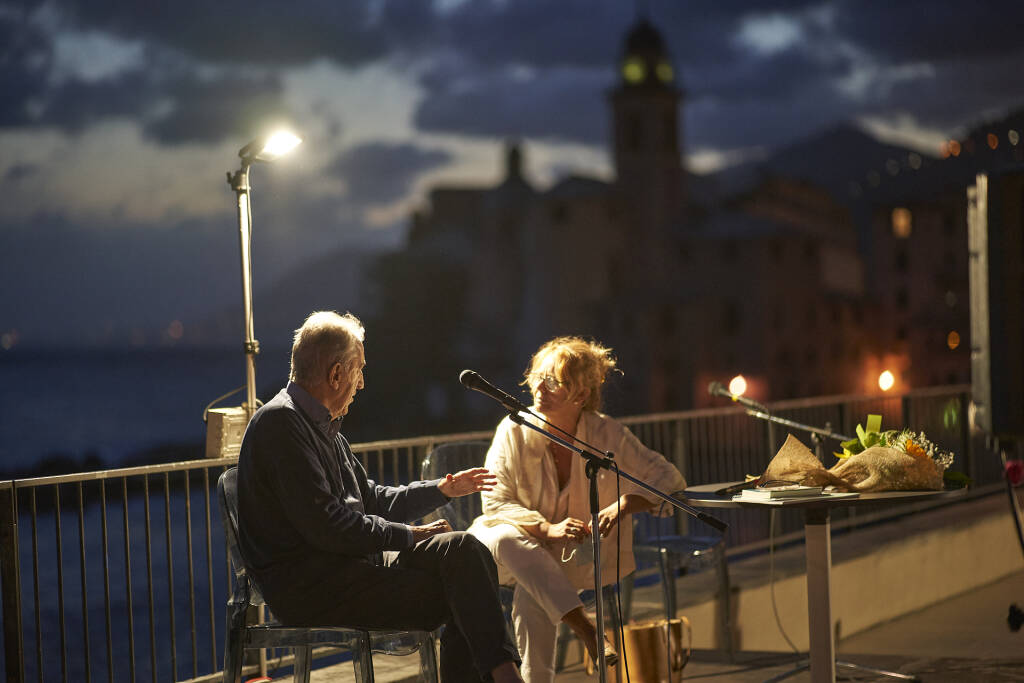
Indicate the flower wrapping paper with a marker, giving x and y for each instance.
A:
(878, 468)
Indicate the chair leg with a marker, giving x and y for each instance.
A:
(362, 660)
(668, 583)
(626, 591)
(234, 647)
(428, 658)
(303, 662)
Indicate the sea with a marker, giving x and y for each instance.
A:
(74, 410)
(106, 408)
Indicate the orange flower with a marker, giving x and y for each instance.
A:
(915, 450)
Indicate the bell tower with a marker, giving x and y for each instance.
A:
(645, 120)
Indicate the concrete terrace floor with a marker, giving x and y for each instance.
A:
(963, 639)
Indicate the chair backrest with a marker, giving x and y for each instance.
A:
(245, 589)
(452, 458)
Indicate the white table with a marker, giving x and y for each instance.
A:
(818, 551)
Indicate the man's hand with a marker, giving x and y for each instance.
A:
(422, 533)
(467, 482)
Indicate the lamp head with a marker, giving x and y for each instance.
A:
(270, 147)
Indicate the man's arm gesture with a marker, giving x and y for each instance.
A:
(466, 482)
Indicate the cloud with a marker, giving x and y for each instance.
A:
(381, 172)
(926, 30)
(561, 103)
(261, 32)
(26, 56)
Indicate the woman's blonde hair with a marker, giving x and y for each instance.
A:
(582, 365)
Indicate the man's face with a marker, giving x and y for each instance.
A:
(350, 382)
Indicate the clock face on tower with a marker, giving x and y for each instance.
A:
(633, 70)
(663, 71)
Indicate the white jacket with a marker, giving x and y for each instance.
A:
(527, 486)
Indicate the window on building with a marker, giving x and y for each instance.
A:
(902, 222)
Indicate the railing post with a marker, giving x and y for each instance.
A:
(10, 582)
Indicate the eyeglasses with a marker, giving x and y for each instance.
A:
(550, 383)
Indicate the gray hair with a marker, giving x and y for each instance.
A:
(324, 339)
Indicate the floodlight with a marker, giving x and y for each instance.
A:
(266, 148)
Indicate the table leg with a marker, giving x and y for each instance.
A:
(817, 529)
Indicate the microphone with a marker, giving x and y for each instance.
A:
(472, 380)
(717, 389)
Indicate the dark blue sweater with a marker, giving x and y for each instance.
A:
(305, 503)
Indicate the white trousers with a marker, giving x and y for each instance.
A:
(543, 595)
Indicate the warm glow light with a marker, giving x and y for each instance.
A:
(902, 222)
(738, 385)
(175, 330)
(954, 148)
(886, 380)
(953, 340)
(993, 140)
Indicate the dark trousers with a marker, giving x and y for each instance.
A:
(449, 579)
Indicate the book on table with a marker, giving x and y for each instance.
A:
(774, 492)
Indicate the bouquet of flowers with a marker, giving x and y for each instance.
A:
(893, 460)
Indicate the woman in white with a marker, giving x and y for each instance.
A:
(539, 512)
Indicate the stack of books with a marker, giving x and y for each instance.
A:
(777, 495)
(773, 492)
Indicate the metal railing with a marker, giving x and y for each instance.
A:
(121, 575)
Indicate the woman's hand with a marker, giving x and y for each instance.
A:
(422, 533)
(614, 513)
(608, 518)
(569, 529)
(467, 481)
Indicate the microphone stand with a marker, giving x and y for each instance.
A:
(817, 433)
(596, 462)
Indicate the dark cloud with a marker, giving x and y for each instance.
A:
(173, 108)
(926, 30)
(260, 31)
(214, 110)
(378, 172)
(561, 103)
(19, 172)
(26, 56)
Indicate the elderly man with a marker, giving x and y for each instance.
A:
(312, 526)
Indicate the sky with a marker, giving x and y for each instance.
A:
(120, 119)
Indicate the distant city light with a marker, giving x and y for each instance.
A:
(738, 385)
(1014, 137)
(914, 160)
(902, 222)
(175, 330)
(993, 140)
(886, 380)
(8, 340)
(954, 148)
(953, 340)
